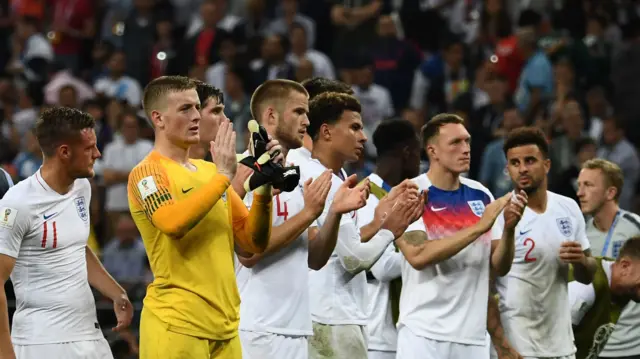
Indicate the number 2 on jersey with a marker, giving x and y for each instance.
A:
(528, 257)
(45, 234)
(281, 208)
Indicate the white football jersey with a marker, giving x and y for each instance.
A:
(275, 292)
(337, 296)
(447, 301)
(534, 304)
(298, 156)
(47, 234)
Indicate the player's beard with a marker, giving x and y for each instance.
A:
(286, 139)
(533, 188)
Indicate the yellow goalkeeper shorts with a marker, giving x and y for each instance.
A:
(157, 342)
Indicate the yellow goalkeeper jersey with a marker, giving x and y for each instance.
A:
(194, 290)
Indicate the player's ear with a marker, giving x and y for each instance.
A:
(325, 132)
(547, 165)
(611, 193)
(157, 120)
(270, 115)
(64, 152)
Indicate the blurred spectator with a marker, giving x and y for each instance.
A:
(493, 168)
(536, 79)
(68, 97)
(118, 85)
(120, 156)
(28, 160)
(164, 53)
(32, 52)
(617, 149)
(124, 256)
(441, 78)
(61, 77)
(215, 74)
(237, 105)
(73, 22)
(375, 99)
(138, 39)
(567, 183)
(201, 49)
(304, 70)
(322, 66)
(225, 21)
(355, 23)
(26, 114)
(282, 25)
(598, 108)
(395, 62)
(625, 77)
(273, 64)
(562, 150)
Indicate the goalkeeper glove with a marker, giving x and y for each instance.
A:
(264, 170)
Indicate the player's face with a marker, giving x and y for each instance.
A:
(412, 160)
(452, 148)
(80, 156)
(629, 280)
(211, 115)
(527, 167)
(180, 122)
(592, 190)
(293, 121)
(347, 136)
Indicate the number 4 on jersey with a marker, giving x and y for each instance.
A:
(281, 208)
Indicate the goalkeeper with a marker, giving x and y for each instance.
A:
(189, 218)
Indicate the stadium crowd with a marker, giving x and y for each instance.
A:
(564, 67)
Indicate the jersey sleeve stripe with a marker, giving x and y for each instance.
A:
(160, 196)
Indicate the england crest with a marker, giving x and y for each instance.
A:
(565, 226)
(477, 207)
(81, 207)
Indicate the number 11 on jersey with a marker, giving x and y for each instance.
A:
(45, 234)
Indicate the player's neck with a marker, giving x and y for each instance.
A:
(56, 177)
(442, 178)
(307, 143)
(198, 152)
(388, 170)
(328, 158)
(603, 218)
(537, 201)
(171, 151)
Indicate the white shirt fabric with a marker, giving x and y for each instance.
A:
(382, 330)
(122, 157)
(298, 157)
(533, 295)
(47, 234)
(624, 340)
(338, 290)
(275, 295)
(448, 301)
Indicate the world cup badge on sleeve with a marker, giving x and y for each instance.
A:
(8, 217)
(565, 226)
(477, 207)
(81, 207)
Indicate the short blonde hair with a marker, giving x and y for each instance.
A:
(157, 90)
(273, 91)
(611, 171)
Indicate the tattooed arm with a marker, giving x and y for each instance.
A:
(422, 252)
(495, 329)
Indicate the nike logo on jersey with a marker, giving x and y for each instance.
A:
(186, 190)
(522, 233)
(49, 216)
(438, 209)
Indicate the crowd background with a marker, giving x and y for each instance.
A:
(567, 66)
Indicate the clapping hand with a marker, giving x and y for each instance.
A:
(350, 196)
(315, 193)
(223, 150)
(514, 210)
